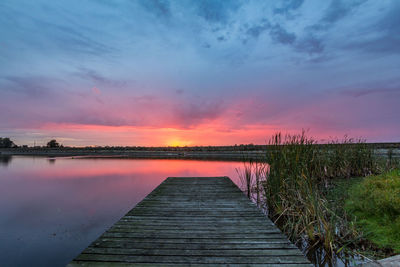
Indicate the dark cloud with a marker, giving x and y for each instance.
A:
(72, 39)
(93, 116)
(391, 21)
(288, 6)
(280, 35)
(387, 37)
(160, 8)
(337, 10)
(98, 79)
(191, 114)
(255, 30)
(221, 38)
(364, 92)
(216, 11)
(310, 45)
(31, 86)
(386, 44)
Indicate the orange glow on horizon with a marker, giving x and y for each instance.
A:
(202, 135)
(178, 143)
(208, 134)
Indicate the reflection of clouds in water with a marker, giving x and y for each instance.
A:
(35, 202)
(63, 207)
(5, 160)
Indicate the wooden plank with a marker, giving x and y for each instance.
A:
(190, 259)
(119, 243)
(193, 221)
(194, 252)
(200, 240)
(125, 264)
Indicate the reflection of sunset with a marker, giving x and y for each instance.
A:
(91, 168)
(63, 206)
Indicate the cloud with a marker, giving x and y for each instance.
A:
(98, 79)
(160, 8)
(383, 37)
(309, 44)
(31, 86)
(194, 113)
(366, 89)
(72, 39)
(280, 35)
(336, 11)
(288, 6)
(364, 92)
(255, 30)
(221, 38)
(53, 55)
(216, 11)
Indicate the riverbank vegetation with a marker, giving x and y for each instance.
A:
(6, 142)
(375, 203)
(294, 183)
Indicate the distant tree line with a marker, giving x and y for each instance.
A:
(53, 144)
(6, 142)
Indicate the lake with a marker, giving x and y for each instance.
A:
(51, 209)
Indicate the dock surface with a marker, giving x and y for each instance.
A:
(196, 221)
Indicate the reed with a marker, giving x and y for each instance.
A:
(292, 183)
(246, 177)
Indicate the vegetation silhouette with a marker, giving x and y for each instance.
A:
(6, 142)
(53, 144)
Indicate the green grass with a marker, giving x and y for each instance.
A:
(375, 206)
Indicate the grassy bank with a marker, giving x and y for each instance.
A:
(294, 183)
(375, 206)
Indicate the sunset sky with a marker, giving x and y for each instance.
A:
(159, 72)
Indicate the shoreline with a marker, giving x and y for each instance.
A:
(134, 154)
(233, 153)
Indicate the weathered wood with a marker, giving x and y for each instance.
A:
(266, 244)
(193, 221)
(125, 264)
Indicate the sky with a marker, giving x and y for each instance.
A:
(159, 72)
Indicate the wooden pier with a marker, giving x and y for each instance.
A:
(196, 221)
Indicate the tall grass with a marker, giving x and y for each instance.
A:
(251, 177)
(246, 177)
(293, 179)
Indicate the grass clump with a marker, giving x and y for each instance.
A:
(299, 170)
(294, 185)
(375, 203)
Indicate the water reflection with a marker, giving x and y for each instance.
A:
(50, 210)
(5, 160)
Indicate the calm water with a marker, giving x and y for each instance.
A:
(51, 209)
